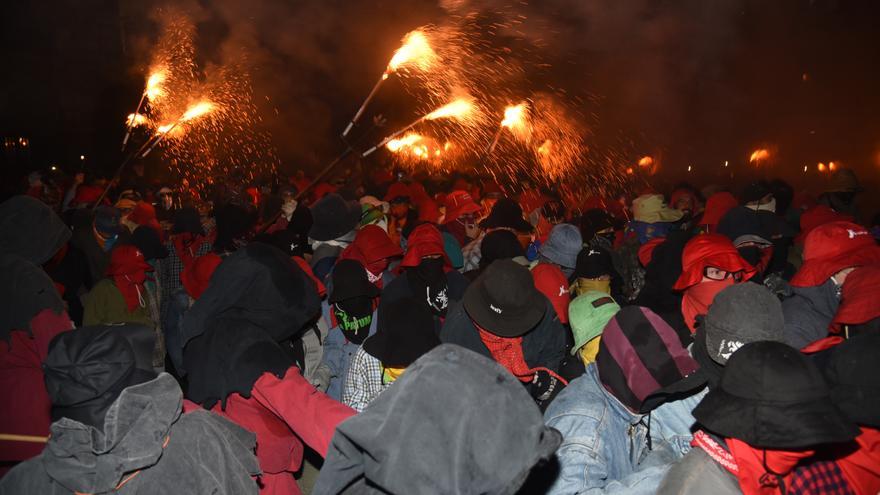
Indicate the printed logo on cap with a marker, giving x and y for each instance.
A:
(493, 308)
(853, 233)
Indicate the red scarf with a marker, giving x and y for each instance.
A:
(508, 352)
(861, 468)
(131, 285)
(697, 299)
(186, 245)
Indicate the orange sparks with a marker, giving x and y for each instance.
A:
(197, 110)
(154, 89)
(545, 148)
(415, 51)
(162, 129)
(646, 161)
(515, 120)
(459, 108)
(136, 119)
(398, 144)
(759, 155)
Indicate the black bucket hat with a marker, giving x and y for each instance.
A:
(404, 332)
(506, 213)
(503, 300)
(147, 240)
(187, 219)
(350, 280)
(334, 217)
(854, 376)
(771, 396)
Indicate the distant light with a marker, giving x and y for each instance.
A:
(629, 171)
(821, 167)
(689, 168)
(82, 157)
(54, 168)
(725, 163)
(805, 168)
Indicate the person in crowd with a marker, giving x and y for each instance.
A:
(716, 207)
(710, 263)
(461, 217)
(350, 314)
(684, 199)
(651, 218)
(841, 193)
(594, 271)
(858, 312)
(333, 230)
(770, 411)
(118, 426)
(235, 222)
(598, 229)
(561, 248)
(95, 235)
(402, 213)
(374, 212)
(507, 215)
(188, 241)
(504, 317)
(375, 251)
(165, 205)
(238, 371)
(404, 332)
(498, 245)
(427, 277)
(588, 314)
(484, 435)
(831, 252)
(625, 421)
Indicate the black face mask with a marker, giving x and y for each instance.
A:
(428, 283)
(752, 254)
(354, 317)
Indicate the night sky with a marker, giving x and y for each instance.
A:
(695, 81)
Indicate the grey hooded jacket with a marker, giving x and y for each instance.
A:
(695, 474)
(146, 447)
(808, 312)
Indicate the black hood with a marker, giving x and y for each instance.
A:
(261, 285)
(25, 290)
(455, 422)
(30, 229)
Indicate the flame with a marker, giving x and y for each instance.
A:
(154, 88)
(136, 119)
(759, 155)
(545, 148)
(459, 108)
(398, 144)
(197, 110)
(415, 51)
(821, 167)
(832, 166)
(514, 116)
(646, 161)
(162, 129)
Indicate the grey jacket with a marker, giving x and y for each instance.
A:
(698, 474)
(809, 312)
(146, 447)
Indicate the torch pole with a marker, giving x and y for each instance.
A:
(492, 146)
(157, 141)
(131, 122)
(366, 102)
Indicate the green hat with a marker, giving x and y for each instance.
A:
(588, 314)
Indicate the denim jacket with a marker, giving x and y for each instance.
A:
(338, 352)
(605, 446)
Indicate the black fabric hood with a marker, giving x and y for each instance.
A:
(261, 285)
(25, 290)
(455, 422)
(30, 229)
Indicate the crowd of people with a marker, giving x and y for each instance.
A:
(438, 335)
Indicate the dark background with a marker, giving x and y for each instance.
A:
(697, 82)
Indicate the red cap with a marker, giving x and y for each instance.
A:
(197, 275)
(145, 214)
(551, 282)
(322, 190)
(418, 193)
(370, 245)
(816, 216)
(646, 251)
(397, 190)
(710, 250)
(87, 194)
(858, 298)
(429, 211)
(459, 203)
(322, 289)
(832, 247)
(716, 207)
(424, 240)
(126, 259)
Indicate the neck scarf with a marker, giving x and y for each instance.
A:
(507, 351)
(582, 285)
(131, 285)
(764, 472)
(589, 351)
(354, 317)
(427, 281)
(186, 245)
(697, 299)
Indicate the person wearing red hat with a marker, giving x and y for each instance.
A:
(373, 248)
(461, 218)
(716, 207)
(831, 252)
(401, 212)
(858, 311)
(709, 263)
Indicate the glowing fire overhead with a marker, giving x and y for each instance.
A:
(136, 119)
(459, 108)
(197, 110)
(154, 89)
(409, 139)
(646, 161)
(759, 155)
(415, 51)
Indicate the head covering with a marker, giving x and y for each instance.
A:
(485, 433)
(593, 262)
(404, 332)
(563, 245)
(832, 247)
(333, 217)
(397, 191)
(844, 180)
(754, 191)
(86, 195)
(187, 219)
(233, 223)
(259, 284)
(350, 281)
(641, 361)
(651, 208)
(424, 240)
(25, 291)
(681, 193)
(594, 221)
(230, 358)
(144, 214)
(588, 314)
(459, 203)
(506, 213)
(371, 245)
(504, 301)
(741, 314)
(551, 282)
(816, 216)
(716, 207)
(429, 211)
(147, 240)
(197, 275)
(31, 229)
(128, 268)
(107, 220)
(87, 368)
(771, 396)
(853, 372)
(858, 298)
(453, 250)
(499, 245)
(710, 250)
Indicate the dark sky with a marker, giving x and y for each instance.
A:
(697, 81)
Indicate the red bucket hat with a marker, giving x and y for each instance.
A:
(832, 247)
(459, 203)
(710, 250)
(197, 275)
(858, 298)
(716, 207)
(816, 216)
(424, 240)
(371, 244)
(397, 190)
(551, 282)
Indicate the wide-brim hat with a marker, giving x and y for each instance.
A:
(749, 405)
(832, 247)
(459, 203)
(404, 332)
(651, 208)
(713, 250)
(333, 217)
(853, 375)
(503, 300)
(506, 213)
(350, 281)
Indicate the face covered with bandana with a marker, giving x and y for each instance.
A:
(354, 317)
(427, 281)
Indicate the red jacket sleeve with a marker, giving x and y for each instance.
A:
(311, 414)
